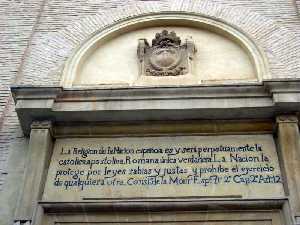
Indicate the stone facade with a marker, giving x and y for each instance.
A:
(38, 37)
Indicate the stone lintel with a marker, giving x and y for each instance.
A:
(165, 205)
(260, 101)
(161, 128)
(34, 92)
(282, 85)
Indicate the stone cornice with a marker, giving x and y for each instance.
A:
(165, 205)
(262, 101)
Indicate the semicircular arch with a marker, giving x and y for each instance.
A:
(52, 49)
(82, 53)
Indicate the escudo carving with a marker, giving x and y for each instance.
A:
(166, 56)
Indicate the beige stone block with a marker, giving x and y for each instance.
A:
(40, 149)
(225, 166)
(289, 144)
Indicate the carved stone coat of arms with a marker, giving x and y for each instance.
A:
(167, 56)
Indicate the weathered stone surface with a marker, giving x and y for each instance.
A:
(166, 56)
(37, 163)
(218, 58)
(240, 166)
(27, 27)
(289, 145)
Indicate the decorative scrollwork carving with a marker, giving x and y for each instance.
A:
(166, 56)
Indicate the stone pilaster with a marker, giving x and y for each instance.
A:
(289, 144)
(39, 154)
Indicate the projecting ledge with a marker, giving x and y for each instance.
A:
(262, 101)
(174, 205)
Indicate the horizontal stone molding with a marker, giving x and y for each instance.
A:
(163, 128)
(163, 205)
(264, 101)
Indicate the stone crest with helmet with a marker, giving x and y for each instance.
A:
(167, 56)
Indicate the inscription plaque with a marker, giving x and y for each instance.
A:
(233, 166)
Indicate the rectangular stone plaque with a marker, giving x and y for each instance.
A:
(230, 166)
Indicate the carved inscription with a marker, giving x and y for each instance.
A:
(165, 167)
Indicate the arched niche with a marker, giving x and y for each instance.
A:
(225, 55)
